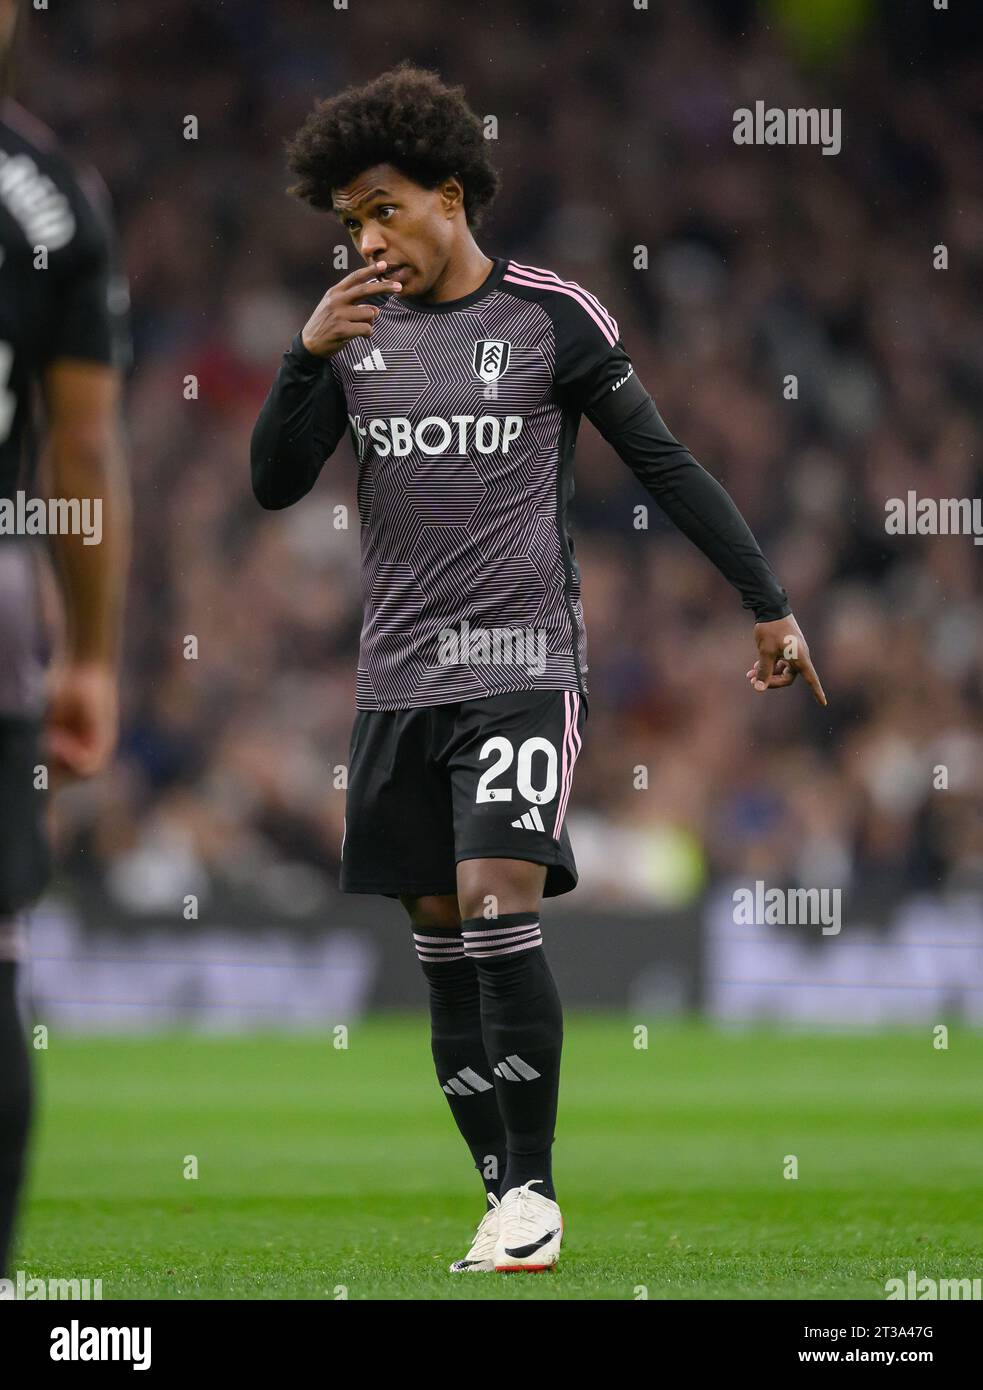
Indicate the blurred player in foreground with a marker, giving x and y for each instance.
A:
(462, 378)
(61, 344)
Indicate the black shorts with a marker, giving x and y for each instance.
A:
(23, 844)
(482, 779)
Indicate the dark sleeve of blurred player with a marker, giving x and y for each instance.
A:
(61, 353)
(83, 457)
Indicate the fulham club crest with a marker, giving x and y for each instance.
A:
(491, 358)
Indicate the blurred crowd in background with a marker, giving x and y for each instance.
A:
(615, 133)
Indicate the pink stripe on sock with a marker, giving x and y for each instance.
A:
(505, 950)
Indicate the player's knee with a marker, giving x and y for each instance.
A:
(491, 887)
(439, 913)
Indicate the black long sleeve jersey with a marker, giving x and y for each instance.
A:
(60, 293)
(464, 418)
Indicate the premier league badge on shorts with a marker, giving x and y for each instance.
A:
(491, 357)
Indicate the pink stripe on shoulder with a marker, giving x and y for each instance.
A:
(611, 337)
(551, 277)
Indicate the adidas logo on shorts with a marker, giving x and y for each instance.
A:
(529, 820)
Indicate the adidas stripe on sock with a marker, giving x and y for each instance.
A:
(458, 1048)
(522, 1026)
(502, 937)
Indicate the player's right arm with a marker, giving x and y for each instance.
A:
(305, 413)
(83, 458)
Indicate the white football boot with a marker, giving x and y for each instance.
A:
(480, 1259)
(529, 1232)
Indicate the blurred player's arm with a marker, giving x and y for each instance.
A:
(83, 458)
(618, 405)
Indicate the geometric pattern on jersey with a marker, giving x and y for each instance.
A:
(470, 587)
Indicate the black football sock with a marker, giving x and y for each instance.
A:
(459, 1050)
(522, 1023)
(15, 1105)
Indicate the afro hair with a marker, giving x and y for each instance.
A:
(406, 117)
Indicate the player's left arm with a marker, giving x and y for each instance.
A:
(616, 402)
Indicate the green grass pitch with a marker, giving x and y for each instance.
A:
(323, 1170)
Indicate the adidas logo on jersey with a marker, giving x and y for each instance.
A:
(529, 820)
(515, 1069)
(372, 363)
(465, 1083)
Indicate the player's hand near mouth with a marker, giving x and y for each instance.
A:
(341, 315)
